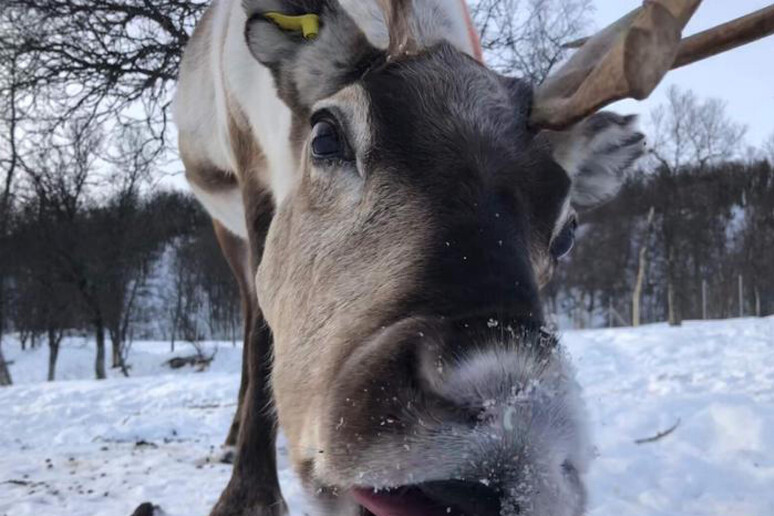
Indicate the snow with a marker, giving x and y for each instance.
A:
(85, 448)
(717, 379)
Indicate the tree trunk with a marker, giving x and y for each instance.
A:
(115, 346)
(116, 349)
(5, 207)
(123, 335)
(118, 343)
(672, 301)
(175, 323)
(5, 374)
(610, 312)
(637, 294)
(757, 302)
(642, 267)
(53, 353)
(674, 317)
(99, 365)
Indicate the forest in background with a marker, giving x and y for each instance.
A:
(89, 245)
(691, 245)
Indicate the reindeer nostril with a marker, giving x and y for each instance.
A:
(479, 417)
(463, 498)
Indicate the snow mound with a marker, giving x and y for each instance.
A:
(86, 448)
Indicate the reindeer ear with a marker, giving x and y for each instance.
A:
(273, 41)
(596, 153)
(307, 69)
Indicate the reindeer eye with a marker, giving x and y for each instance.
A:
(565, 240)
(327, 142)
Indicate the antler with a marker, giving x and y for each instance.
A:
(726, 37)
(398, 16)
(629, 58)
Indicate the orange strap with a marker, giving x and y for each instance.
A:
(475, 41)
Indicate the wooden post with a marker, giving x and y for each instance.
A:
(741, 296)
(5, 373)
(643, 263)
(671, 308)
(757, 302)
(704, 299)
(610, 312)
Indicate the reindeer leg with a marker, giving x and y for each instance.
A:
(254, 488)
(237, 255)
(233, 431)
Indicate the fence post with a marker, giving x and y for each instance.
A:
(757, 302)
(704, 299)
(741, 296)
(610, 312)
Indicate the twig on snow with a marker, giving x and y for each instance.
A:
(659, 435)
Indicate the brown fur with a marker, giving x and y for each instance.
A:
(237, 254)
(375, 279)
(254, 487)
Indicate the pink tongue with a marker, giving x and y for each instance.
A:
(394, 504)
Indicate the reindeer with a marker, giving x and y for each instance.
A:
(391, 209)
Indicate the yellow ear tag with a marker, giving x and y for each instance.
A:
(306, 24)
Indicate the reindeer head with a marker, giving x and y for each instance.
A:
(412, 371)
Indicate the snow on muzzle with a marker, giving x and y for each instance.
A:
(477, 416)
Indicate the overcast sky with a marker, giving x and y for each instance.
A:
(743, 77)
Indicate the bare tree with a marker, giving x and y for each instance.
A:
(525, 37)
(185, 298)
(110, 64)
(687, 132)
(43, 301)
(755, 241)
(768, 149)
(9, 110)
(129, 243)
(59, 177)
(99, 57)
(5, 374)
(722, 227)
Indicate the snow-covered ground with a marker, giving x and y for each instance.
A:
(86, 448)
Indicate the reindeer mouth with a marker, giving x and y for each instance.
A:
(448, 498)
